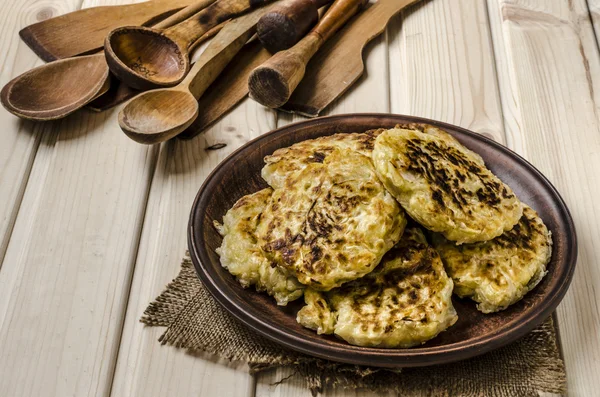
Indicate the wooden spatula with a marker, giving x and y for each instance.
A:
(83, 31)
(272, 83)
(337, 65)
(343, 51)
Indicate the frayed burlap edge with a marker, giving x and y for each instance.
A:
(195, 321)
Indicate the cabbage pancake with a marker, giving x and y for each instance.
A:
(444, 186)
(242, 257)
(500, 272)
(331, 222)
(405, 302)
(286, 161)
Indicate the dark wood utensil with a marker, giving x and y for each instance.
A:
(335, 67)
(146, 58)
(272, 83)
(228, 90)
(283, 27)
(83, 31)
(59, 88)
(158, 115)
(339, 64)
(475, 333)
(120, 92)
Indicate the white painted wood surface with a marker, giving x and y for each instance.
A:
(550, 83)
(66, 274)
(144, 367)
(92, 225)
(19, 139)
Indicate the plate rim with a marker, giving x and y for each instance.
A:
(391, 358)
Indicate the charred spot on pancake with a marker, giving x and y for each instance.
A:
(318, 157)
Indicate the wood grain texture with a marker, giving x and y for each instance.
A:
(442, 66)
(339, 64)
(273, 82)
(144, 367)
(67, 270)
(550, 82)
(159, 115)
(19, 139)
(230, 88)
(594, 12)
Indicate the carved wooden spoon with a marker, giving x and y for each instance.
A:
(158, 115)
(59, 88)
(146, 58)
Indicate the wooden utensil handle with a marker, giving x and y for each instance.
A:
(337, 15)
(184, 14)
(272, 83)
(188, 31)
(287, 23)
(321, 3)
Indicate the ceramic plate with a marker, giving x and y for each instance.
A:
(473, 334)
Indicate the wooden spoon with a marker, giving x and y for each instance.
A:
(146, 58)
(59, 88)
(272, 83)
(283, 27)
(158, 115)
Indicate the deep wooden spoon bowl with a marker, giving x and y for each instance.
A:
(158, 115)
(30, 96)
(59, 88)
(146, 58)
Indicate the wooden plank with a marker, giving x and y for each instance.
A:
(594, 11)
(442, 66)
(20, 139)
(550, 82)
(67, 270)
(369, 94)
(144, 367)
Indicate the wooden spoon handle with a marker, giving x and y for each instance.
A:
(337, 15)
(184, 14)
(272, 83)
(287, 23)
(220, 52)
(188, 31)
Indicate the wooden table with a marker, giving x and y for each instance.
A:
(92, 225)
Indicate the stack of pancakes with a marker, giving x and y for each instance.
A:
(346, 223)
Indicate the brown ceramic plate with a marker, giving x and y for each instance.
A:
(474, 333)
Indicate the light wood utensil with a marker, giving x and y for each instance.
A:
(283, 27)
(146, 58)
(339, 64)
(59, 88)
(158, 115)
(272, 83)
(83, 31)
(228, 90)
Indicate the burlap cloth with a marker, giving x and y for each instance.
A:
(531, 366)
